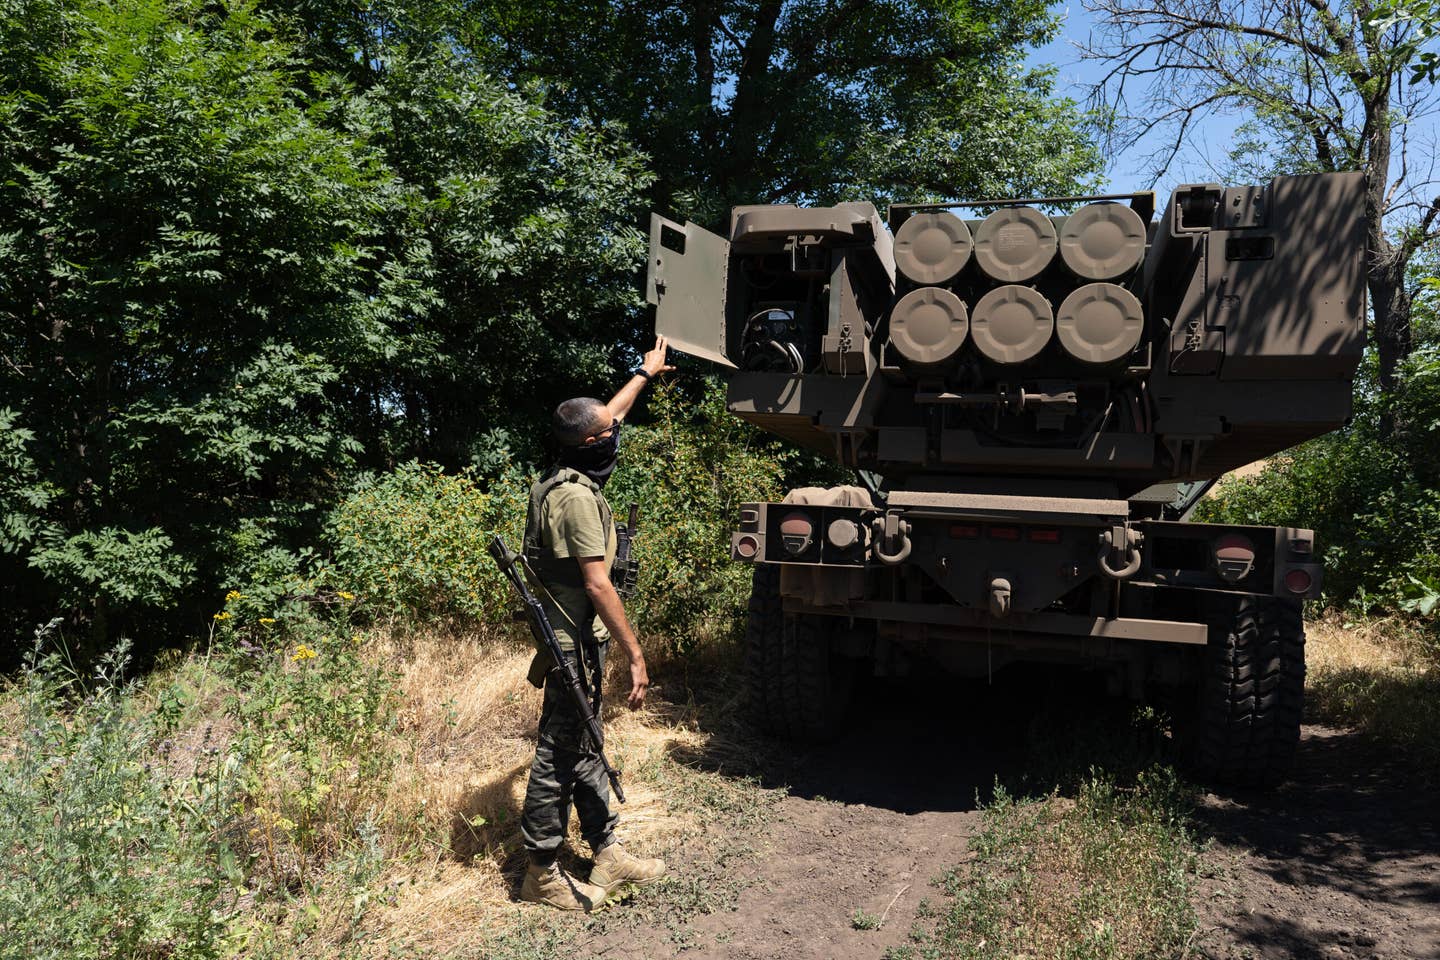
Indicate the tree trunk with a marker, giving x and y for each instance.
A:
(1386, 263)
(1390, 301)
(749, 119)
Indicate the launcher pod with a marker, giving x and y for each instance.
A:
(1033, 394)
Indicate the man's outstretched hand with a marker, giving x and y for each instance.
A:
(654, 362)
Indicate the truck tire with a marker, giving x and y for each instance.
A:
(798, 686)
(1252, 690)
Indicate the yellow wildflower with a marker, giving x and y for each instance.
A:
(303, 653)
(344, 595)
(234, 595)
(267, 619)
(355, 638)
(223, 615)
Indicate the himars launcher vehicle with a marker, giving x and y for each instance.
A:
(1033, 392)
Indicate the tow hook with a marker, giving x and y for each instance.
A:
(1120, 552)
(891, 539)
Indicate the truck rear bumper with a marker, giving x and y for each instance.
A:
(1014, 554)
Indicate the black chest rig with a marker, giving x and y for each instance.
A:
(558, 571)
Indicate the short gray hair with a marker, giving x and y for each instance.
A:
(577, 419)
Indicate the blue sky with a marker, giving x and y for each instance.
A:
(1203, 158)
(1127, 170)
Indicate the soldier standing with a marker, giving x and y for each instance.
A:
(570, 542)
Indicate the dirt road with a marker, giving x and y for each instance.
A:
(1344, 862)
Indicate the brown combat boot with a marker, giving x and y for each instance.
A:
(554, 887)
(614, 868)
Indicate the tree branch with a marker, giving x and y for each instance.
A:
(1424, 232)
(1163, 15)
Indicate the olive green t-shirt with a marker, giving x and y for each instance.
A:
(571, 527)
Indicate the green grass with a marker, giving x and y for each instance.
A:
(861, 920)
(1107, 874)
(234, 806)
(1087, 854)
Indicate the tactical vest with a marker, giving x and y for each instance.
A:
(553, 570)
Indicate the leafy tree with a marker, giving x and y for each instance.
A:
(1423, 16)
(227, 279)
(767, 101)
(1328, 83)
(520, 223)
(183, 260)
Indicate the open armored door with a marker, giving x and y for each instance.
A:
(685, 280)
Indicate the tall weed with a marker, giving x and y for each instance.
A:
(110, 847)
(313, 720)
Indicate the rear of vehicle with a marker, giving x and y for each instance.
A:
(1032, 398)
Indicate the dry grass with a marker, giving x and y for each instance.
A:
(463, 753)
(1384, 645)
(430, 864)
(1381, 676)
(12, 717)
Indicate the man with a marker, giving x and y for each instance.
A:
(570, 543)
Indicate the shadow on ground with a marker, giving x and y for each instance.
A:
(935, 743)
(1339, 861)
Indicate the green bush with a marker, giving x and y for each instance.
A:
(110, 846)
(689, 471)
(409, 547)
(411, 544)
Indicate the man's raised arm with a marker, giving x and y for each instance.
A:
(653, 365)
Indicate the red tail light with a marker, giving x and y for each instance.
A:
(796, 531)
(1234, 557)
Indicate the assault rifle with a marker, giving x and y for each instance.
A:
(544, 634)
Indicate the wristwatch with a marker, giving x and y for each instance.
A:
(639, 371)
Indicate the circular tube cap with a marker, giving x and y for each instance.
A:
(1100, 323)
(1014, 244)
(1102, 241)
(928, 326)
(1012, 324)
(932, 247)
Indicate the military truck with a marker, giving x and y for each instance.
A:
(1032, 394)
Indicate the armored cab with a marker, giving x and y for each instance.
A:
(1032, 391)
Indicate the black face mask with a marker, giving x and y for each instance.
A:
(595, 460)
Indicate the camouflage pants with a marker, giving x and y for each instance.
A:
(565, 769)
